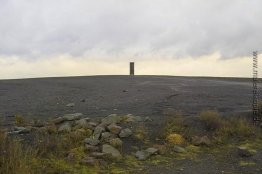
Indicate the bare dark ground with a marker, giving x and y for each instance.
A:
(140, 95)
(98, 96)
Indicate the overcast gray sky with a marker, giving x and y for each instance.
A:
(88, 37)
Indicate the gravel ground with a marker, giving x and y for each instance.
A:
(141, 95)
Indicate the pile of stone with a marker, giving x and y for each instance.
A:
(106, 138)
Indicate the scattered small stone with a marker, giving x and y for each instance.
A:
(125, 90)
(87, 119)
(70, 105)
(148, 119)
(108, 149)
(92, 141)
(152, 151)
(131, 118)
(72, 117)
(114, 129)
(116, 142)
(20, 130)
(125, 133)
(65, 127)
(245, 152)
(58, 120)
(142, 155)
(179, 149)
(201, 141)
(83, 100)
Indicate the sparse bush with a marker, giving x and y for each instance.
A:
(174, 123)
(212, 120)
(237, 128)
(141, 133)
(19, 120)
(175, 139)
(177, 123)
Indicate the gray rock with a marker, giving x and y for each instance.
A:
(152, 151)
(58, 120)
(91, 148)
(106, 136)
(114, 129)
(21, 130)
(179, 149)
(148, 119)
(125, 133)
(70, 105)
(72, 117)
(92, 141)
(131, 118)
(87, 119)
(98, 131)
(91, 125)
(115, 142)
(142, 155)
(245, 152)
(108, 149)
(201, 141)
(111, 119)
(65, 127)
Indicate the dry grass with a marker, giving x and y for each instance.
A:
(19, 120)
(13, 157)
(239, 129)
(141, 133)
(176, 124)
(46, 153)
(222, 129)
(212, 119)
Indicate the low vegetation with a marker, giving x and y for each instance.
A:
(50, 152)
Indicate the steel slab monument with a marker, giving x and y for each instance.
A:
(132, 68)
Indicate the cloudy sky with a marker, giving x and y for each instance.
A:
(40, 38)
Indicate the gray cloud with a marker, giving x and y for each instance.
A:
(174, 28)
